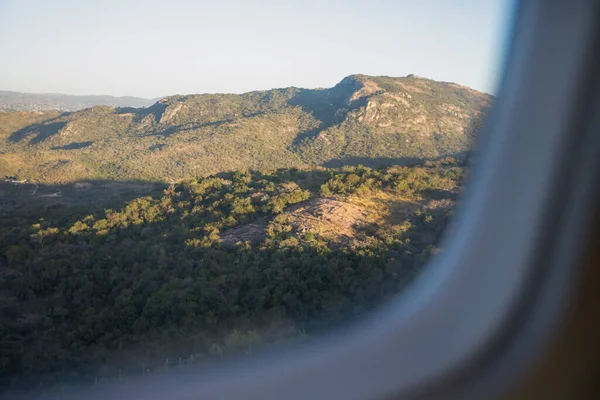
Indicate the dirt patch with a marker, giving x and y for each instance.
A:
(329, 218)
(253, 232)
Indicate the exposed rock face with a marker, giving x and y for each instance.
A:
(170, 113)
(327, 218)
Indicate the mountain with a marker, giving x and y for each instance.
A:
(17, 101)
(374, 121)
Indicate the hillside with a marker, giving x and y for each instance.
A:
(374, 121)
(18, 101)
(95, 288)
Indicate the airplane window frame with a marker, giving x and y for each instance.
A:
(478, 315)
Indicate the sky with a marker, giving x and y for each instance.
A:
(152, 48)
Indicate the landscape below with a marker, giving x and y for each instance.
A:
(211, 225)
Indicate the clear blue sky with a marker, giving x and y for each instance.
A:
(153, 48)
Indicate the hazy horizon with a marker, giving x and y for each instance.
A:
(152, 49)
(184, 94)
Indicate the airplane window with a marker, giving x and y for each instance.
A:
(190, 182)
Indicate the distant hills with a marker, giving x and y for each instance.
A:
(367, 120)
(17, 101)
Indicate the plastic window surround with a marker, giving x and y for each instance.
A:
(461, 329)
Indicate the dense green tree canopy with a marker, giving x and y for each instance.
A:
(154, 278)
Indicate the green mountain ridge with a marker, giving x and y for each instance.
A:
(375, 121)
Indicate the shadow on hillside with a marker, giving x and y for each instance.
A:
(190, 126)
(73, 146)
(329, 106)
(315, 102)
(168, 130)
(378, 162)
(371, 162)
(156, 109)
(58, 202)
(41, 131)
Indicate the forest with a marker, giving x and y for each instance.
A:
(211, 266)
